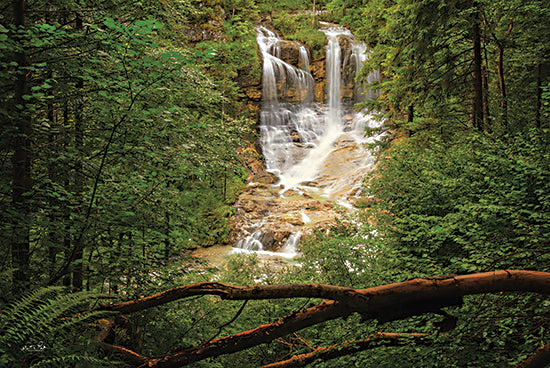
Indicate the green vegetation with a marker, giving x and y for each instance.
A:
(125, 150)
(42, 329)
(299, 27)
(122, 131)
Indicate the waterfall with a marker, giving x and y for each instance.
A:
(303, 60)
(331, 120)
(281, 122)
(310, 145)
(334, 73)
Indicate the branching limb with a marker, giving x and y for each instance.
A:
(241, 309)
(347, 348)
(400, 297)
(262, 334)
(230, 292)
(127, 355)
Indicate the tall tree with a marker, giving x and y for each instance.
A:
(22, 132)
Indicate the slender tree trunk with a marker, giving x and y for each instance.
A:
(79, 185)
(313, 18)
(539, 95)
(500, 68)
(54, 243)
(21, 184)
(410, 119)
(502, 84)
(485, 81)
(79, 176)
(67, 237)
(477, 107)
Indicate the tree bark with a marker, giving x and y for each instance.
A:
(365, 300)
(502, 84)
(500, 68)
(78, 269)
(262, 334)
(314, 17)
(410, 120)
(485, 81)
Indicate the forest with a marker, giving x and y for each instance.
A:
(127, 133)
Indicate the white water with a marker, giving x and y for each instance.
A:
(298, 136)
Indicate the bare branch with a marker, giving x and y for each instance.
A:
(347, 348)
(373, 300)
(244, 340)
(128, 355)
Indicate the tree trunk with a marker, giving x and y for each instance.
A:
(485, 81)
(502, 85)
(477, 101)
(539, 95)
(22, 184)
(79, 176)
(314, 17)
(67, 237)
(410, 119)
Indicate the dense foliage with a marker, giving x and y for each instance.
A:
(125, 151)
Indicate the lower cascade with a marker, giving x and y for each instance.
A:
(315, 149)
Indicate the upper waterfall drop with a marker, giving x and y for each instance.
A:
(334, 75)
(280, 119)
(298, 136)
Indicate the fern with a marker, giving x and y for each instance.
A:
(44, 329)
(72, 361)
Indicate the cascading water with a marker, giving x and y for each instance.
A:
(303, 61)
(279, 119)
(309, 146)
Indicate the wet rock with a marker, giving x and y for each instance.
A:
(290, 193)
(290, 52)
(295, 136)
(255, 168)
(293, 219)
(268, 240)
(348, 117)
(276, 218)
(317, 68)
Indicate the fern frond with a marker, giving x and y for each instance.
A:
(53, 318)
(73, 360)
(17, 310)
